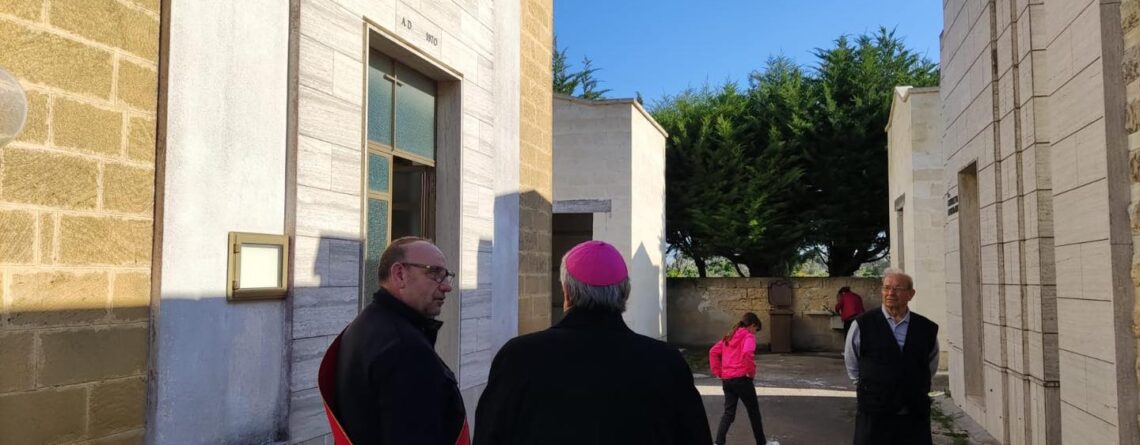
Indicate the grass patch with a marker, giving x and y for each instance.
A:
(948, 428)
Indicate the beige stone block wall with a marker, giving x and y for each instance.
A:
(701, 310)
(76, 220)
(1095, 296)
(998, 110)
(536, 165)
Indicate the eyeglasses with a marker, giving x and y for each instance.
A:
(895, 288)
(438, 274)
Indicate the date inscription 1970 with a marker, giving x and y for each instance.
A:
(406, 23)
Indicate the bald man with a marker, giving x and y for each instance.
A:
(391, 387)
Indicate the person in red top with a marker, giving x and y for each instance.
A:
(849, 306)
(733, 361)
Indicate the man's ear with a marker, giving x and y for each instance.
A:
(397, 272)
(565, 297)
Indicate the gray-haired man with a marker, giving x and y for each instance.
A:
(590, 379)
(892, 354)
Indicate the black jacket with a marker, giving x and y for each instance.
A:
(392, 388)
(590, 380)
(891, 379)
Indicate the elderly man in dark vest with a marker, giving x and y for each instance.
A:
(590, 379)
(891, 355)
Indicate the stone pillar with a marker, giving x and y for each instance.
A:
(76, 220)
(1130, 23)
(536, 170)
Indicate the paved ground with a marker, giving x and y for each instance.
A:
(807, 399)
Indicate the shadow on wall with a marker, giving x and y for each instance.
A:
(84, 367)
(329, 288)
(219, 376)
(535, 263)
(646, 309)
(701, 310)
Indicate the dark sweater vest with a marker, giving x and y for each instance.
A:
(889, 379)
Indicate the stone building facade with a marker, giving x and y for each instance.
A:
(1040, 297)
(916, 202)
(609, 185)
(158, 127)
(76, 218)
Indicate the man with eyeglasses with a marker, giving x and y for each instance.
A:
(391, 387)
(892, 355)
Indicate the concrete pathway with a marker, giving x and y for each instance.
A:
(807, 399)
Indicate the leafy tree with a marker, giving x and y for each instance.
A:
(794, 168)
(589, 83)
(693, 158)
(728, 192)
(570, 82)
(564, 81)
(845, 147)
(774, 126)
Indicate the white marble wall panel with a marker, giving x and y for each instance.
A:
(1078, 426)
(307, 355)
(1086, 328)
(413, 26)
(320, 311)
(1015, 350)
(306, 415)
(995, 415)
(1014, 310)
(329, 119)
(322, 213)
(1081, 214)
(1090, 385)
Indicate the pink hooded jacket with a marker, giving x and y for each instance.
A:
(736, 358)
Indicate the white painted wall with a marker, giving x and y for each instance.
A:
(647, 310)
(915, 154)
(610, 150)
(502, 325)
(221, 371)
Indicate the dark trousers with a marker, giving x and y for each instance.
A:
(740, 389)
(892, 429)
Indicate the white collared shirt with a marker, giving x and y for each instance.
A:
(899, 329)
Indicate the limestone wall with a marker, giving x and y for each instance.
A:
(76, 220)
(1038, 294)
(916, 201)
(612, 151)
(647, 224)
(536, 176)
(1130, 23)
(701, 310)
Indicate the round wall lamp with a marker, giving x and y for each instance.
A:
(13, 107)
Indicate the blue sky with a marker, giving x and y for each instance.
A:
(661, 47)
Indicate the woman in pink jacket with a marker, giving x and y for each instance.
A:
(732, 361)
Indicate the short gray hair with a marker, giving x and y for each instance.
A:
(610, 298)
(899, 272)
